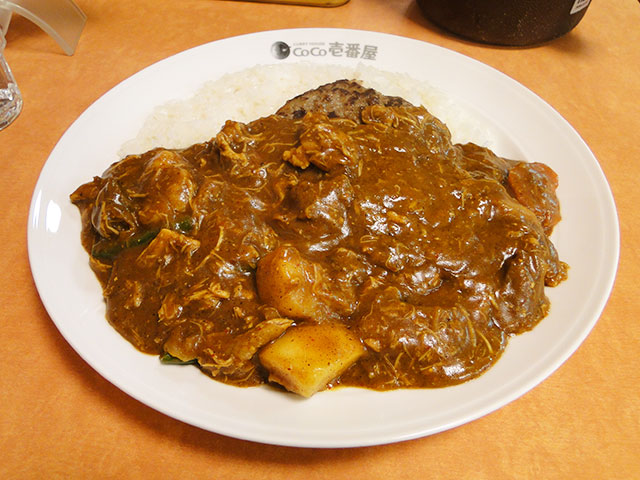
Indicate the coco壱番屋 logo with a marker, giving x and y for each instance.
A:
(282, 50)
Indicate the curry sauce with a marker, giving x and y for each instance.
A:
(430, 254)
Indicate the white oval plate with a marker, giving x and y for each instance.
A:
(523, 126)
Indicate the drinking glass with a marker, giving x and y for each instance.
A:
(10, 98)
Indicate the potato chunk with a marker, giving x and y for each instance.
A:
(307, 357)
(286, 281)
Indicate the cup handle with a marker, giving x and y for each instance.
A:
(62, 19)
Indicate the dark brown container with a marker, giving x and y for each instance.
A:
(506, 22)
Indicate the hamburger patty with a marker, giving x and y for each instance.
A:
(342, 98)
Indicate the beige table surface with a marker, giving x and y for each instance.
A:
(60, 419)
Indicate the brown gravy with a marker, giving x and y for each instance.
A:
(431, 254)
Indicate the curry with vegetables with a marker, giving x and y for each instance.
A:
(312, 249)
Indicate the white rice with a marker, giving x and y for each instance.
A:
(259, 91)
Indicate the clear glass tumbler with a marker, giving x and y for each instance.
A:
(10, 98)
